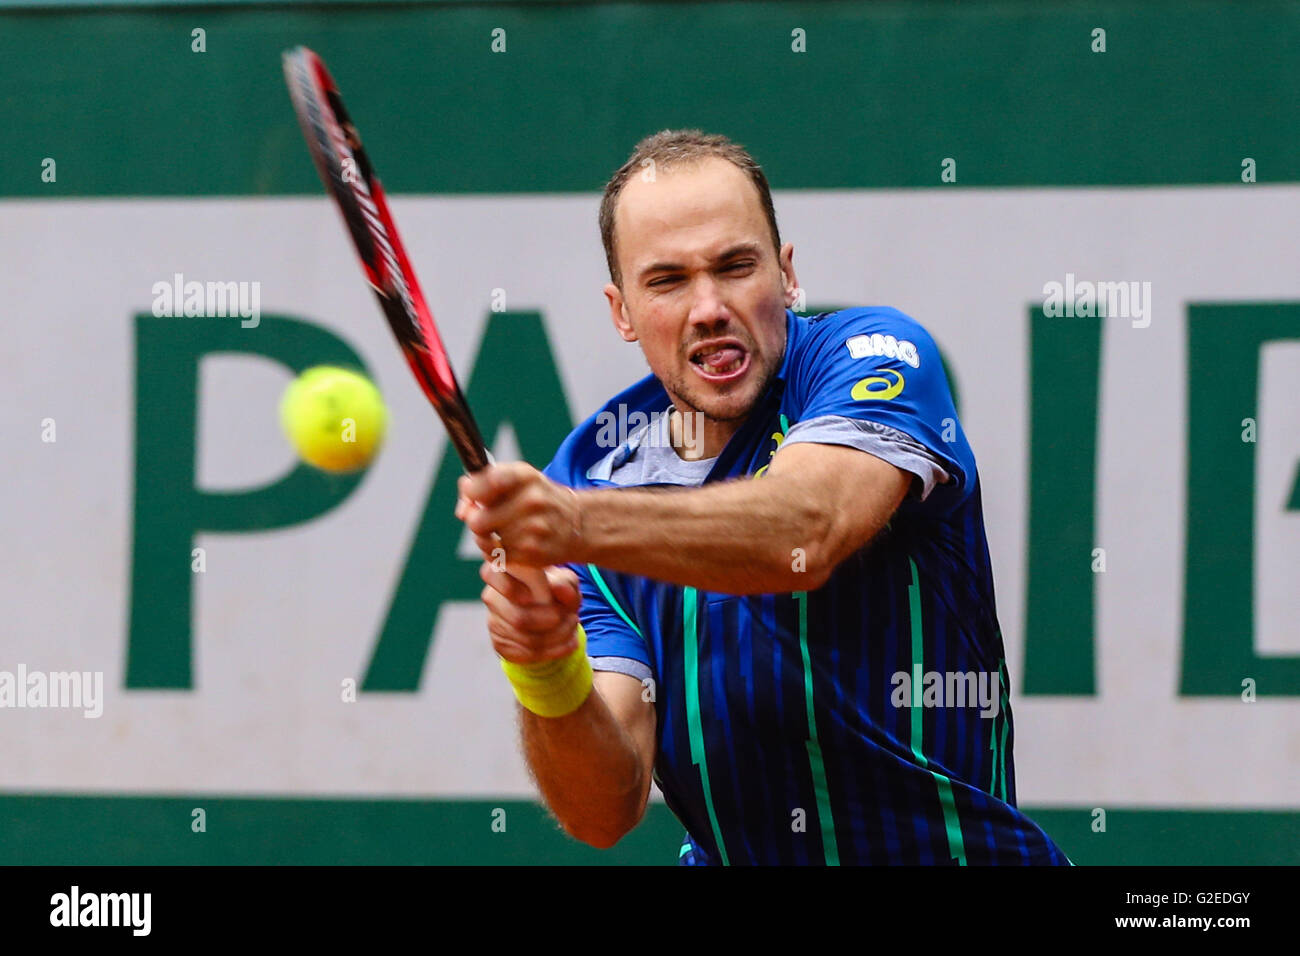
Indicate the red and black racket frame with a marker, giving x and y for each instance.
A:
(345, 169)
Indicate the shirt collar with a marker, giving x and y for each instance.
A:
(792, 329)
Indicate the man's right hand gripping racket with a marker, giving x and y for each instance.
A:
(349, 178)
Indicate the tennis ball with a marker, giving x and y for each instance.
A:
(334, 418)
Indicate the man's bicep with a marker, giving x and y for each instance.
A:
(862, 490)
(631, 703)
(623, 675)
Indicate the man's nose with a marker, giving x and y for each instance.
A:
(707, 307)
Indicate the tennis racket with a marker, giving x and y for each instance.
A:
(345, 169)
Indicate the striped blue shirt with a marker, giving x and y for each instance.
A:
(867, 721)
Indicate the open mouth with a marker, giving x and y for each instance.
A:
(721, 360)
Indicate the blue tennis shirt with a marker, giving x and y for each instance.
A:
(867, 721)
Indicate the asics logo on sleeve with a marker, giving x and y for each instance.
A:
(878, 387)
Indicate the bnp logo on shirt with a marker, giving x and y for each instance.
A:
(875, 344)
(879, 387)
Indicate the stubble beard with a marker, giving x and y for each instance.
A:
(713, 409)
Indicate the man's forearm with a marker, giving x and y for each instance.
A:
(815, 505)
(588, 770)
(736, 537)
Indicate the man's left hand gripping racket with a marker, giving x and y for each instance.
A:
(349, 178)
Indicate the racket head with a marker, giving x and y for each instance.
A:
(349, 178)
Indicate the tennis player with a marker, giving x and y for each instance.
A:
(776, 600)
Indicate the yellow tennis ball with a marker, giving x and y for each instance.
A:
(334, 418)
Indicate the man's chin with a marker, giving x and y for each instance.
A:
(734, 407)
(730, 403)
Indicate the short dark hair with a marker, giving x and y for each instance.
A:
(676, 147)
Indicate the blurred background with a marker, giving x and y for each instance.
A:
(294, 664)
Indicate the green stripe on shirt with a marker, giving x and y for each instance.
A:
(821, 787)
(951, 819)
(691, 654)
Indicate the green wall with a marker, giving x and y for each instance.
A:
(884, 93)
(98, 830)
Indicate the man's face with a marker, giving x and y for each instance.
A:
(703, 291)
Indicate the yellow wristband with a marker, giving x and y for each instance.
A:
(553, 688)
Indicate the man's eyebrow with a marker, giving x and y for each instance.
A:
(740, 249)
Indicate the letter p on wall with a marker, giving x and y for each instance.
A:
(170, 509)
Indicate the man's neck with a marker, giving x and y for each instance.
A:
(695, 436)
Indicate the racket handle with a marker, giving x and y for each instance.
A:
(532, 578)
(535, 580)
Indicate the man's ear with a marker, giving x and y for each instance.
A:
(618, 312)
(789, 280)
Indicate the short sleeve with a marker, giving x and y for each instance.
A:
(614, 641)
(611, 632)
(888, 444)
(881, 366)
